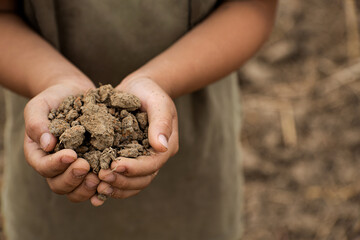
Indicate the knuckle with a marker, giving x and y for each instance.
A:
(102, 186)
(46, 169)
(53, 166)
(42, 171)
(56, 189)
(28, 107)
(132, 171)
(123, 183)
(166, 125)
(91, 185)
(148, 181)
(57, 169)
(31, 127)
(173, 111)
(118, 194)
(69, 184)
(156, 166)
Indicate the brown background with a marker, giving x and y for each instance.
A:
(301, 128)
(301, 125)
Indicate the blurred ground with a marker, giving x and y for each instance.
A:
(301, 127)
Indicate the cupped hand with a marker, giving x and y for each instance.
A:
(127, 177)
(64, 172)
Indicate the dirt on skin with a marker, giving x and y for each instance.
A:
(100, 126)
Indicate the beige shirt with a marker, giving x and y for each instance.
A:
(197, 194)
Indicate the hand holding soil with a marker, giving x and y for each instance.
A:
(127, 176)
(63, 170)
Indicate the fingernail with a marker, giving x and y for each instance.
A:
(91, 185)
(45, 140)
(79, 172)
(67, 159)
(118, 169)
(163, 141)
(121, 170)
(108, 191)
(109, 178)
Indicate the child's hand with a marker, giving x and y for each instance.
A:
(130, 176)
(65, 173)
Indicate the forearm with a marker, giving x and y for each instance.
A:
(216, 47)
(28, 64)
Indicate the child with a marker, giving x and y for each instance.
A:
(163, 50)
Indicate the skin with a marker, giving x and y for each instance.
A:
(213, 49)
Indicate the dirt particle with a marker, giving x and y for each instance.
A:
(124, 114)
(82, 149)
(104, 92)
(129, 152)
(73, 137)
(51, 116)
(93, 157)
(67, 103)
(60, 116)
(58, 126)
(102, 197)
(106, 157)
(58, 147)
(71, 115)
(75, 123)
(125, 100)
(142, 119)
(78, 104)
(146, 143)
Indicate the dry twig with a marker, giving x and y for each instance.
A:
(352, 29)
(345, 76)
(288, 124)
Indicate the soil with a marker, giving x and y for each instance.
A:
(101, 125)
(301, 128)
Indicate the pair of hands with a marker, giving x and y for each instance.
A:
(69, 175)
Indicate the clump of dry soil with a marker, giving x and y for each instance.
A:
(101, 125)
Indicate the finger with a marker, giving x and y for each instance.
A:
(36, 123)
(174, 138)
(71, 178)
(86, 189)
(47, 165)
(141, 166)
(96, 202)
(106, 189)
(161, 118)
(122, 182)
(122, 194)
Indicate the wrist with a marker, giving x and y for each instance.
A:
(136, 76)
(76, 81)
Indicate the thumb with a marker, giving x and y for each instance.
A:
(160, 127)
(36, 124)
